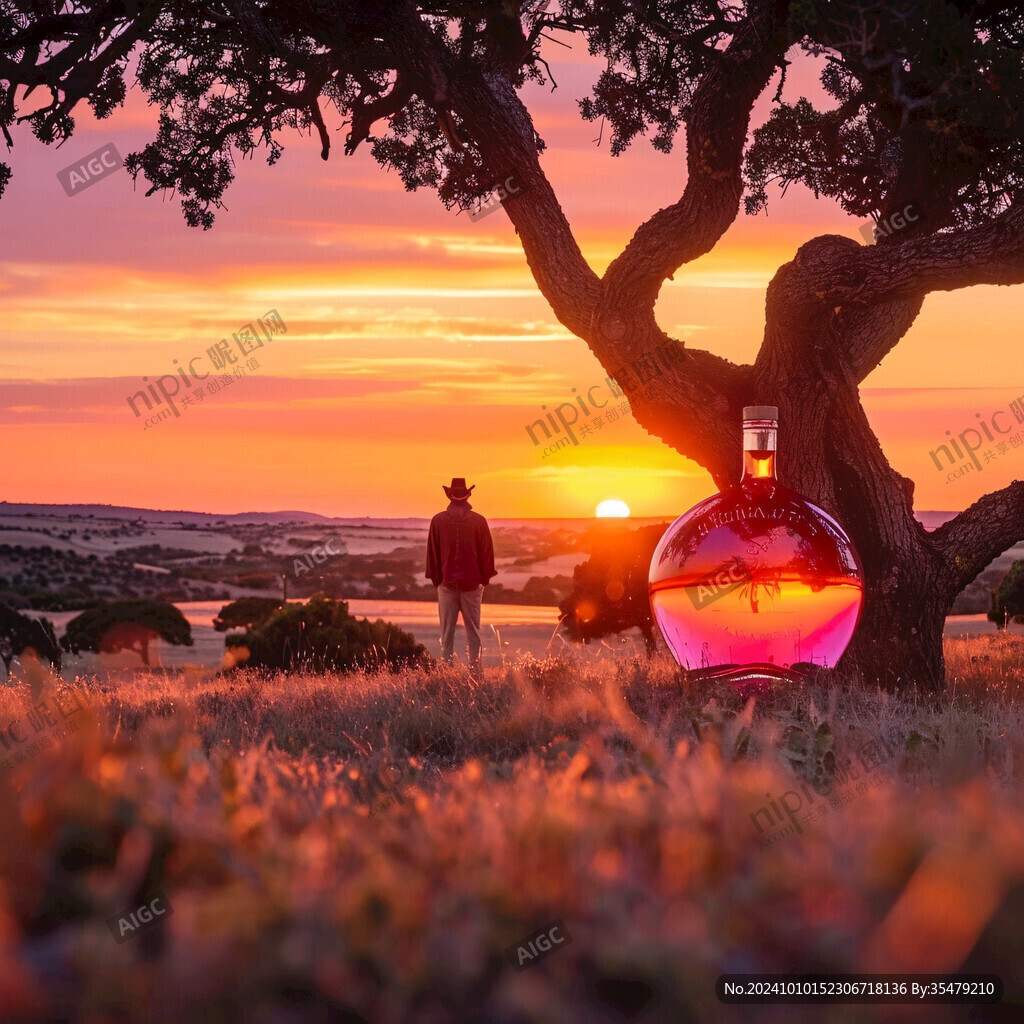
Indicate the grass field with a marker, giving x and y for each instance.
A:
(368, 847)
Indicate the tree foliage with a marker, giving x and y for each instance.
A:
(20, 633)
(610, 589)
(1008, 597)
(321, 635)
(926, 99)
(116, 626)
(926, 107)
(246, 613)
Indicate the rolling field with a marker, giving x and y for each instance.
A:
(368, 847)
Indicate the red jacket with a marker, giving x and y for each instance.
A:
(459, 548)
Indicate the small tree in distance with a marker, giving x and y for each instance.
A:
(320, 636)
(246, 613)
(610, 590)
(20, 633)
(116, 626)
(1008, 597)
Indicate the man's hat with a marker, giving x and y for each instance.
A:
(458, 490)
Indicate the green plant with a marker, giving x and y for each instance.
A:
(322, 635)
(126, 625)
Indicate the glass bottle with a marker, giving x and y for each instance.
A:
(756, 583)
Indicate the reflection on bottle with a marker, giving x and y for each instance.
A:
(756, 582)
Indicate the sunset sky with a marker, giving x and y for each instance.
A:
(417, 345)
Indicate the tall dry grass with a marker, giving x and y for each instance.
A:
(364, 847)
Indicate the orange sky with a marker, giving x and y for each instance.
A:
(418, 347)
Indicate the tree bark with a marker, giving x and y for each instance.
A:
(832, 314)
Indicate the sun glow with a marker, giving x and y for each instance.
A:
(612, 508)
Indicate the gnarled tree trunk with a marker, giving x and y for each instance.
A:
(831, 316)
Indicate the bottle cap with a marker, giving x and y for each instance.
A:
(760, 412)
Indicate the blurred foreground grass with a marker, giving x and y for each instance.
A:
(365, 847)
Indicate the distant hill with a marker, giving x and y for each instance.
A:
(8, 508)
(930, 520)
(933, 520)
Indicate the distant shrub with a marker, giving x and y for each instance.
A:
(19, 633)
(321, 635)
(1008, 597)
(126, 626)
(246, 613)
(610, 590)
(258, 580)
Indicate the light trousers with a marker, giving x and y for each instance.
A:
(451, 601)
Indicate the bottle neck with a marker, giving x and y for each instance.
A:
(759, 440)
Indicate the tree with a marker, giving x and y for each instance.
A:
(20, 633)
(116, 626)
(246, 613)
(321, 635)
(610, 590)
(923, 131)
(1008, 597)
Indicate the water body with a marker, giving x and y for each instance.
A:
(507, 629)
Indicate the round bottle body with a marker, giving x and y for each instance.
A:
(756, 581)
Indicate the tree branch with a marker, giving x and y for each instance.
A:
(716, 131)
(686, 403)
(87, 33)
(365, 114)
(992, 253)
(982, 532)
(490, 110)
(865, 333)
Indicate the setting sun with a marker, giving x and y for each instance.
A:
(612, 507)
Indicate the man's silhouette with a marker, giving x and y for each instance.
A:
(460, 563)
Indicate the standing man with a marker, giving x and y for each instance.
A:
(460, 563)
